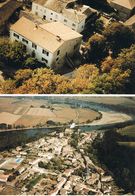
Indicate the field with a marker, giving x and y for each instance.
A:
(8, 118)
(31, 112)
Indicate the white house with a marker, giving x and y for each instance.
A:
(67, 12)
(50, 42)
(124, 7)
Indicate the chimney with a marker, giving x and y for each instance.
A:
(36, 26)
(58, 38)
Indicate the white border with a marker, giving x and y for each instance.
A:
(67, 95)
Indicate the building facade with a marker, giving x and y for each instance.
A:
(67, 12)
(49, 42)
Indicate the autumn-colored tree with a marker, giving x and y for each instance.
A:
(126, 61)
(83, 79)
(40, 81)
(107, 65)
(112, 83)
(22, 75)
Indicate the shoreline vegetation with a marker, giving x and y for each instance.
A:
(115, 152)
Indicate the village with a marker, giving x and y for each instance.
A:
(53, 31)
(66, 159)
(61, 165)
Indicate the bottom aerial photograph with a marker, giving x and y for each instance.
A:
(67, 145)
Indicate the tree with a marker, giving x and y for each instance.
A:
(97, 50)
(99, 25)
(126, 61)
(113, 82)
(17, 53)
(118, 36)
(107, 65)
(41, 80)
(14, 54)
(32, 63)
(83, 79)
(22, 75)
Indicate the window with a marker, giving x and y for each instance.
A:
(73, 25)
(57, 59)
(44, 17)
(58, 52)
(45, 52)
(50, 18)
(76, 46)
(15, 35)
(51, 13)
(65, 20)
(25, 41)
(36, 13)
(33, 54)
(25, 47)
(34, 46)
(44, 60)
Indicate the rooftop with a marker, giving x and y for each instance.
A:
(69, 8)
(130, 4)
(130, 21)
(55, 5)
(49, 35)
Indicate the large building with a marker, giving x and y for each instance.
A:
(49, 42)
(67, 12)
(124, 7)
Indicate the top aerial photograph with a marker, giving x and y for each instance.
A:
(67, 46)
